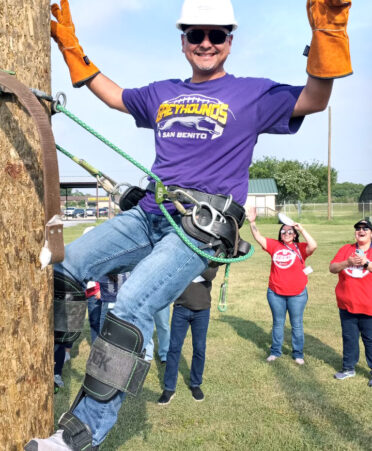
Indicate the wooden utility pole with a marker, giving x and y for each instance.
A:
(329, 163)
(26, 321)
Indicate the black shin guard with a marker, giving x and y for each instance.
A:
(69, 309)
(115, 363)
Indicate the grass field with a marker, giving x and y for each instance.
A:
(250, 404)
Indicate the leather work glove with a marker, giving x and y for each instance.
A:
(63, 32)
(329, 55)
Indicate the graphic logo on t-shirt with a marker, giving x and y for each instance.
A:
(356, 272)
(284, 258)
(203, 116)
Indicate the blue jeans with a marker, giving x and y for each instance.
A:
(295, 306)
(96, 312)
(181, 319)
(162, 267)
(161, 320)
(353, 325)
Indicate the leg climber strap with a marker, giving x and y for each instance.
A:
(69, 309)
(116, 362)
(76, 434)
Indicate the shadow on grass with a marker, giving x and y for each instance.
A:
(183, 369)
(304, 391)
(132, 421)
(313, 346)
(161, 370)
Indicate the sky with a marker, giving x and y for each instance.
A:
(136, 42)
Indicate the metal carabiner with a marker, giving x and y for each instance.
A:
(216, 217)
(57, 102)
(187, 195)
(118, 185)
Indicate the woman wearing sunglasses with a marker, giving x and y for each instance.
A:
(353, 264)
(287, 283)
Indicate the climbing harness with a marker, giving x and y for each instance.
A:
(213, 219)
(53, 249)
(218, 217)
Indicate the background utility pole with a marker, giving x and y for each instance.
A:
(329, 163)
(26, 338)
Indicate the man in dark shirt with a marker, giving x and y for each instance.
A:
(191, 308)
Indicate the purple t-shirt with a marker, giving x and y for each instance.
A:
(205, 132)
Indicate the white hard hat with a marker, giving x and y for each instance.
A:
(207, 12)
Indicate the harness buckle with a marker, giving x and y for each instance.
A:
(216, 216)
(161, 193)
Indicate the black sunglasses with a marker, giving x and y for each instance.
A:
(215, 36)
(362, 228)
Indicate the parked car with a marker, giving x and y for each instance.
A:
(69, 211)
(103, 211)
(78, 213)
(90, 212)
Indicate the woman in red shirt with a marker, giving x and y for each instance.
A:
(287, 284)
(353, 264)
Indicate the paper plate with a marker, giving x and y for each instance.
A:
(284, 219)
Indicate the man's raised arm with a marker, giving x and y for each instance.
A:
(314, 97)
(107, 91)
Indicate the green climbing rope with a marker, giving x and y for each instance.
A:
(10, 72)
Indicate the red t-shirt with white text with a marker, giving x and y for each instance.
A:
(287, 263)
(354, 288)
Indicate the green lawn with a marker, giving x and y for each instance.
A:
(249, 403)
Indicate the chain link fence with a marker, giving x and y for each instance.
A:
(303, 211)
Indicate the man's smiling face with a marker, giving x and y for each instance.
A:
(206, 59)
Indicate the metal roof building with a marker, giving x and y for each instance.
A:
(262, 195)
(262, 186)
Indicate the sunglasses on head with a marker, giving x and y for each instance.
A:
(288, 232)
(359, 228)
(197, 36)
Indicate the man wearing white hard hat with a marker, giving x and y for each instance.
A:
(205, 130)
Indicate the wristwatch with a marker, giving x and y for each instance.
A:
(365, 266)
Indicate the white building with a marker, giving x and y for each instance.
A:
(262, 195)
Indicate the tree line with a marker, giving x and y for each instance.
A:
(304, 182)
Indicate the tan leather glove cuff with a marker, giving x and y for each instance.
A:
(81, 68)
(329, 55)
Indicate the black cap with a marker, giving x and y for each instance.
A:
(363, 223)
